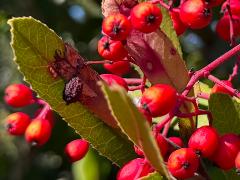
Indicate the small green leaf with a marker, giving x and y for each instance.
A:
(152, 176)
(34, 46)
(201, 87)
(167, 28)
(134, 125)
(226, 113)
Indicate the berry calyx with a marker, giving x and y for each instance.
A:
(224, 156)
(220, 89)
(110, 49)
(183, 163)
(176, 140)
(76, 149)
(204, 141)
(146, 17)
(18, 95)
(118, 68)
(223, 27)
(195, 14)
(178, 25)
(162, 144)
(17, 123)
(117, 26)
(111, 79)
(132, 168)
(38, 132)
(159, 99)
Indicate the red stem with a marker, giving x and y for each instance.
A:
(99, 62)
(133, 81)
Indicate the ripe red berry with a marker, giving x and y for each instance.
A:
(178, 25)
(204, 141)
(18, 95)
(49, 116)
(183, 163)
(234, 5)
(17, 123)
(229, 146)
(223, 27)
(110, 49)
(131, 170)
(146, 17)
(111, 79)
(176, 140)
(162, 144)
(117, 26)
(159, 99)
(76, 149)
(195, 14)
(38, 132)
(118, 68)
(220, 89)
(237, 163)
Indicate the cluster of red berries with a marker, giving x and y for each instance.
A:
(183, 162)
(38, 129)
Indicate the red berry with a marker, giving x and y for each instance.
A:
(204, 141)
(223, 27)
(234, 5)
(119, 68)
(138, 151)
(17, 123)
(183, 163)
(131, 170)
(178, 25)
(237, 162)
(49, 116)
(117, 26)
(18, 95)
(76, 149)
(147, 116)
(229, 146)
(162, 144)
(220, 89)
(111, 79)
(159, 99)
(110, 49)
(214, 3)
(176, 140)
(38, 132)
(195, 14)
(146, 17)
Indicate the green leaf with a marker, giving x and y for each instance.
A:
(152, 176)
(34, 46)
(226, 113)
(134, 125)
(201, 87)
(167, 28)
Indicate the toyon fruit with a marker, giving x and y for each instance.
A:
(223, 27)
(224, 156)
(76, 149)
(134, 169)
(38, 132)
(111, 79)
(237, 163)
(178, 25)
(195, 14)
(17, 123)
(220, 89)
(204, 141)
(18, 95)
(162, 144)
(118, 68)
(147, 116)
(117, 26)
(146, 17)
(176, 140)
(159, 99)
(234, 6)
(183, 163)
(110, 49)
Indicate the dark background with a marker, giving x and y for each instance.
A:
(78, 22)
